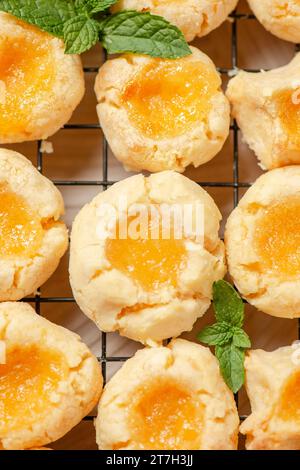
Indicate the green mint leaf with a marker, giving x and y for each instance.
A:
(229, 339)
(93, 6)
(228, 305)
(241, 339)
(216, 335)
(49, 16)
(231, 360)
(80, 34)
(143, 33)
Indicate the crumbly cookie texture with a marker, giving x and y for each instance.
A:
(280, 17)
(21, 276)
(272, 383)
(193, 17)
(51, 87)
(187, 366)
(266, 107)
(115, 301)
(137, 150)
(75, 394)
(264, 268)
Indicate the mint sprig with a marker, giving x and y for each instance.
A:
(50, 16)
(81, 23)
(80, 34)
(94, 6)
(227, 334)
(131, 31)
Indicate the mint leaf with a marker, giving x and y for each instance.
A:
(228, 305)
(102, 5)
(241, 339)
(80, 34)
(143, 33)
(229, 339)
(49, 16)
(217, 334)
(127, 31)
(93, 6)
(231, 360)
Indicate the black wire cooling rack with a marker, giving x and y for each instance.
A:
(104, 183)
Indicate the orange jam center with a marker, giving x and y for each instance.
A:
(288, 106)
(27, 380)
(166, 98)
(26, 77)
(277, 237)
(289, 406)
(151, 262)
(21, 231)
(166, 417)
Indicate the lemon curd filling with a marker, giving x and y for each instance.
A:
(166, 98)
(277, 237)
(164, 416)
(152, 263)
(289, 405)
(27, 380)
(26, 77)
(288, 107)
(21, 230)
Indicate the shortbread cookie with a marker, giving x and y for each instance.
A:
(266, 106)
(263, 243)
(33, 239)
(162, 114)
(40, 85)
(168, 398)
(49, 380)
(280, 17)
(193, 17)
(273, 386)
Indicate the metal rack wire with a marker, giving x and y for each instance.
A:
(104, 183)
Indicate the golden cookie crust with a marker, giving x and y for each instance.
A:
(195, 368)
(76, 395)
(20, 277)
(251, 96)
(56, 108)
(265, 290)
(139, 152)
(192, 17)
(102, 291)
(280, 17)
(266, 373)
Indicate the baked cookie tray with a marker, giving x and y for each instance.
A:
(82, 164)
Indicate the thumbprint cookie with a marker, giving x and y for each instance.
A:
(273, 387)
(280, 17)
(262, 241)
(266, 106)
(136, 267)
(160, 114)
(33, 239)
(192, 17)
(168, 398)
(40, 85)
(49, 380)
